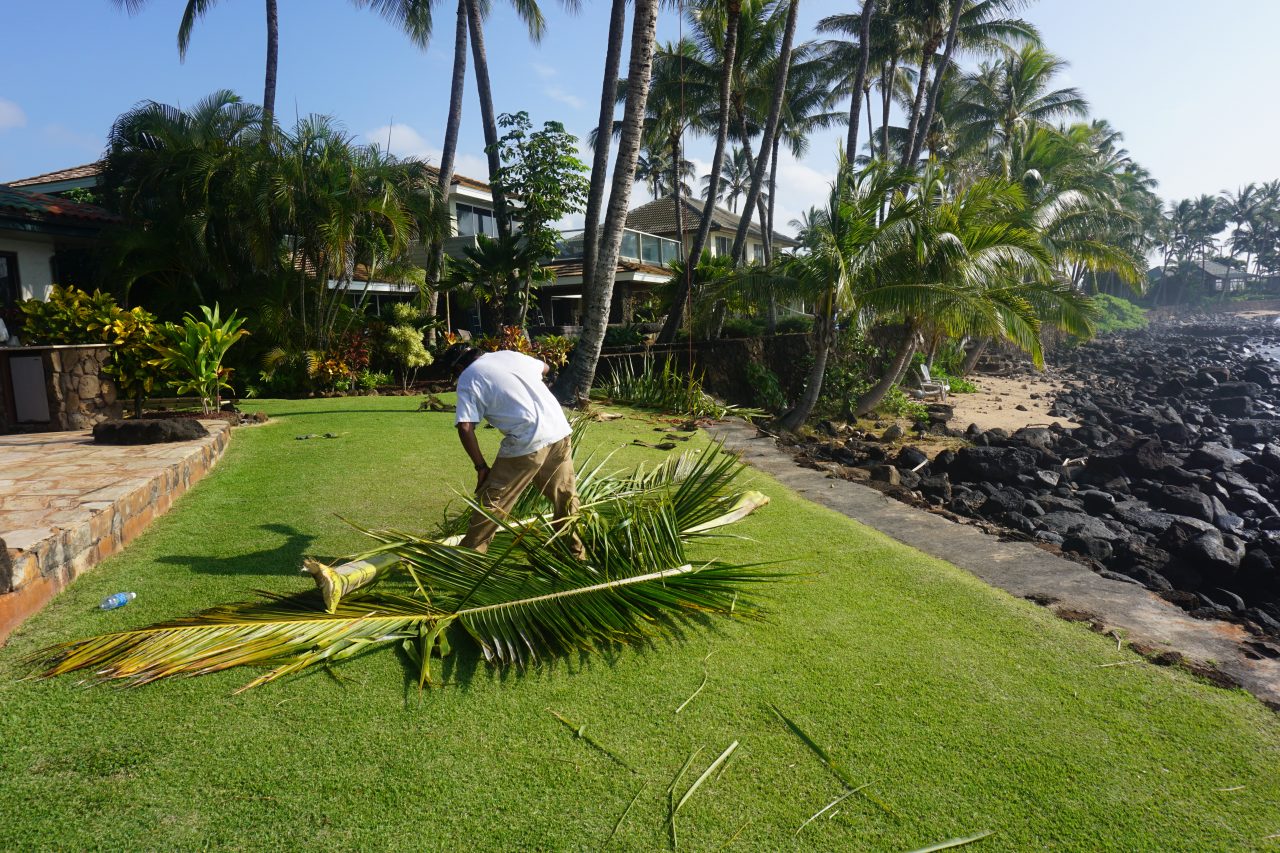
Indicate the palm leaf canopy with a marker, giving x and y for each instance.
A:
(525, 598)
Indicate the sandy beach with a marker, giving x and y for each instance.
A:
(997, 402)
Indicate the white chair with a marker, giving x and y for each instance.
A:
(929, 387)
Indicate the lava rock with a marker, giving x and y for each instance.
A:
(148, 431)
(991, 464)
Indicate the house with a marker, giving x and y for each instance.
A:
(43, 239)
(659, 217)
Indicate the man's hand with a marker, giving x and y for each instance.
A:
(482, 474)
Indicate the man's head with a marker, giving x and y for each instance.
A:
(458, 357)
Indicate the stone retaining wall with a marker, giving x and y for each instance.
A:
(51, 532)
(78, 393)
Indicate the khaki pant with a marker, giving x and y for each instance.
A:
(550, 469)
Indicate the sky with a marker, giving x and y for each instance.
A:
(1184, 80)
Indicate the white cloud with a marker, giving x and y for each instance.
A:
(11, 115)
(404, 140)
(799, 187)
(555, 93)
(546, 72)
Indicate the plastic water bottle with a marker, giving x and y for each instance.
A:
(120, 599)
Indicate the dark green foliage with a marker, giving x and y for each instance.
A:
(1117, 314)
(794, 324)
(667, 389)
(623, 336)
(743, 327)
(766, 390)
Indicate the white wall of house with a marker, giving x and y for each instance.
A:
(35, 261)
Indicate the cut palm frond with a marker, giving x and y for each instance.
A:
(527, 597)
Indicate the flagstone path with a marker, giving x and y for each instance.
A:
(67, 503)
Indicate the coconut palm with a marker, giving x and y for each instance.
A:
(600, 157)
(413, 16)
(574, 383)
(1013, 95)
(735, 172)
(528, 597)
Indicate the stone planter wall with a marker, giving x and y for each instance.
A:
(78, 392)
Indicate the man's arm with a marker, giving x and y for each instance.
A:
(467, 435)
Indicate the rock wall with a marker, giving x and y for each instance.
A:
(79, 394)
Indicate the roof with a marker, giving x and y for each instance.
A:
(36, 207)
(659, 217)
(75, 173)
(93, 170)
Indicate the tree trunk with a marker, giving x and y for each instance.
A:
(273, 53)
(475, 24)
(770, 128)
(678, 207)
(918, 144)
(971, 359)
(604, 138)
(773, 197)
(886, 100)
(917, 105)
(868, 401)
(448, 155)
(823, 339)
(859, 79)
(675, 316)
(575, 382)
(871, 136)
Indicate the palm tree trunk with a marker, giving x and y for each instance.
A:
(868, 401)
(675, 316)
(918, 144)
(475, 23)
(770, 128)
(273, 53)
(457, 89)
(860, 78)
(917, 105)
(575, 382)
(886, 99)
(871, 136)
(678, 207)
(971, 359)
(823, 339)
(604, 138)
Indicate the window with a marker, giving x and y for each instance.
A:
(10, 287)
(630, 244)
(757, 253)
(723, 246)
(476, 220)
(650, 251)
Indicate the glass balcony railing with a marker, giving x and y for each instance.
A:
(636, 246)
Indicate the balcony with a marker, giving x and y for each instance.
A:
(636, 246)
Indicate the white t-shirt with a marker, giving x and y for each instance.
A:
(505, 388)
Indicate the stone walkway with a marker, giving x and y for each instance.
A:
(66, 504)
(1150, 625)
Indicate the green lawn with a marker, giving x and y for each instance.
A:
(966, 709)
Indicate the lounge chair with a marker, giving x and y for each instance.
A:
(929, 387)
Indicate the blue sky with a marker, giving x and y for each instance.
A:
(1189, 83)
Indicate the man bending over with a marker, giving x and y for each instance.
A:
(506, 388)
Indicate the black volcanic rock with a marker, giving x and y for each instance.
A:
(148, 431)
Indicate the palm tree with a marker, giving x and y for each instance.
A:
(1013, 95)
(845, 243)
(600, 156)
(735, 173)
(1240, 207)
(575, 380)
(448, 153)
(413, 16)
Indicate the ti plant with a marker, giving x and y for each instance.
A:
(526, 598)
(194, 353)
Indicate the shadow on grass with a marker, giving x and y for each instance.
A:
(285, 558)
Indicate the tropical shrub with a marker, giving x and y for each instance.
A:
(554, 349)
(667, 389)
(766, 390)
(898, 404)
(193, 354)
(1117, 314)
(404, 345)
(623, 336)
(72, 316)
(794, 324)
(371, 380)
(742, 327)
